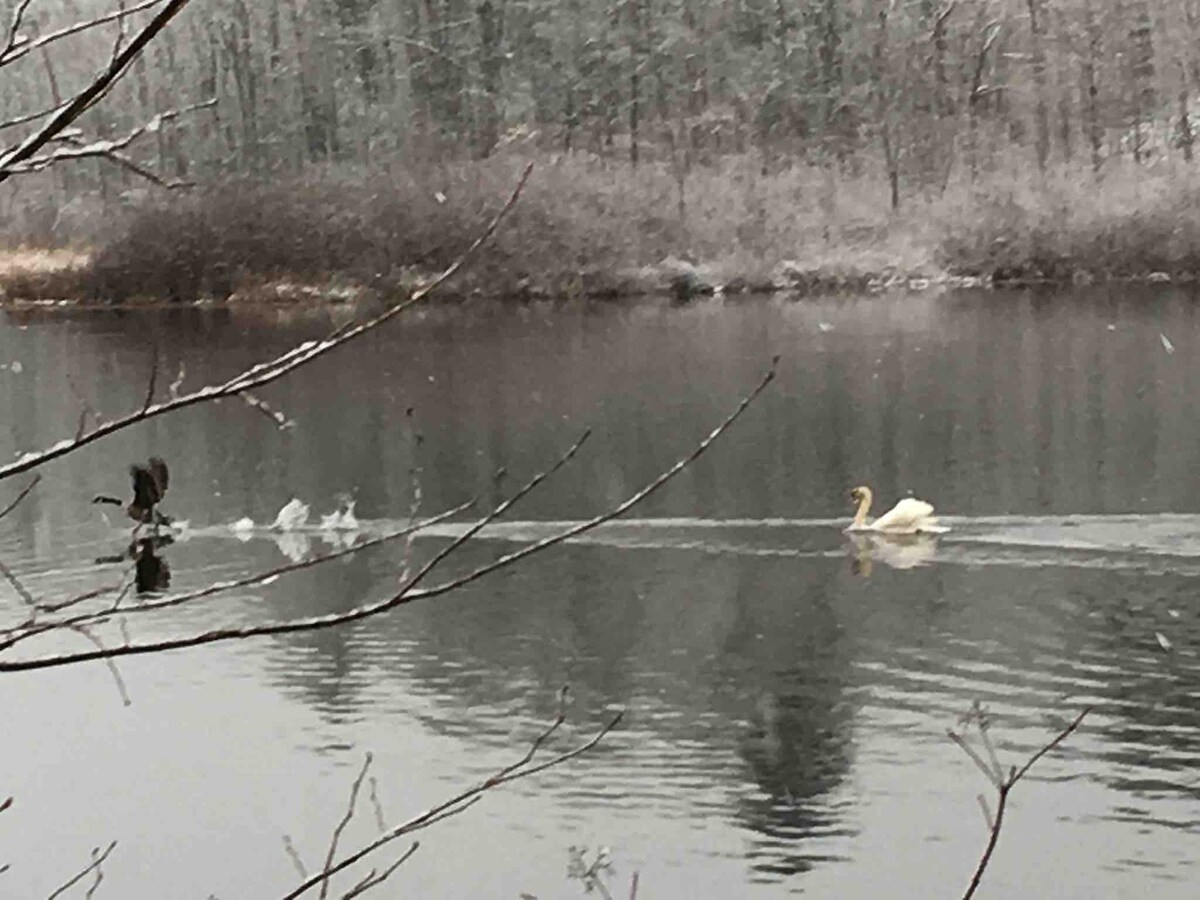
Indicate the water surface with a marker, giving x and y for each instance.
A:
(787, 690)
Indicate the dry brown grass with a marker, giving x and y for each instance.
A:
(32, 273)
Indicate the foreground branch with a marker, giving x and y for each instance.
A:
(523, 768)
(10, 161)
(77, 148)
(1003, 783)
(98, 859)
(19, 46)
(33, 627)
(407, 592)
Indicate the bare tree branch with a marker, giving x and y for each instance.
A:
(14, 36)
(77, 148)
(1003, 785)
(26, 118)
(31, 628)
(458, 803)
(341, 826)
(282, 422)
(619, 510)
(372, 880)
(290, 848)
(407, 593)
(90, 94)
(380, 819)
(108, 661)
(21, 590)
(21, 496)
(18, 48)
(98, 859)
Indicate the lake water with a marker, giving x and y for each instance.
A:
(787, 690)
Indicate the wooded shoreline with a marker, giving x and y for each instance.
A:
(588, 228)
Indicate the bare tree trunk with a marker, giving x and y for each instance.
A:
(830, 58)
(1142, 72)
(491, 58)
(637, 24)
(1186, 136)
(1090, 90)
(978, 92)
(1038, 58)
(883, 109)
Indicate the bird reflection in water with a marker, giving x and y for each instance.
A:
(899, 551)
(151, 572)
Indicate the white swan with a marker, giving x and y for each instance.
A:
(293, 515)
(909, 516)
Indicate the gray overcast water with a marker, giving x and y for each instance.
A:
(788, 690)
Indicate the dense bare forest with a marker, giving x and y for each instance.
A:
(843, 111)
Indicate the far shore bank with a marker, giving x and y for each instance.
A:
(589, 230)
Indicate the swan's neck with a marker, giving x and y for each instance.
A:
(864, 507)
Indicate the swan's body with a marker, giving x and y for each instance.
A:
(293, 515)
(909, 516)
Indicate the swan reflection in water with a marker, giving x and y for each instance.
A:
(151, 572)
(899, 551)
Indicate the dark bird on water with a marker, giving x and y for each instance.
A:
(149, 486)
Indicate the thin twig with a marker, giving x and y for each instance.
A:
(1062, 736)
(372, 880)
(14, 37)
(380, 819)
(21, 590)
(1004, 787)
(26, 118)
(290, 848)
(341, 826)
(99, 874)
(615, 512)
(108, 661)
(99, 85)
(496, 512)
(454, 806)
(975, 757)
(11, 54)
(282, 422)
(110, 148)
(21, 496)
(95, 864)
